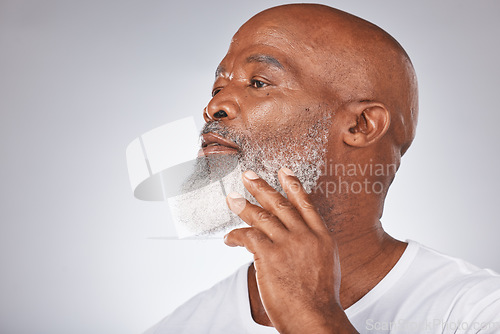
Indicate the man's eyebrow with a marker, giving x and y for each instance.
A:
(259, 58)
(262, 58)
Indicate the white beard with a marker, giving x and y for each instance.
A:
(202, 208)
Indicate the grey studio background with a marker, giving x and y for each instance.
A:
(79, 80)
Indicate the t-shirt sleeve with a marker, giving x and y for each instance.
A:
(479, 308)
(186, 318)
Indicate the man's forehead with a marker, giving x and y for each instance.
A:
(266, 45)
(290, 44)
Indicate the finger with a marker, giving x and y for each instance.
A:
(300, 199)
(272, 201)
(250, 238)
(255, 216)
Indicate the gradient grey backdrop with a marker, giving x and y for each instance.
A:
(80, 79)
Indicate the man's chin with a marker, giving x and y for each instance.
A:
(209, 169)
(201, 208)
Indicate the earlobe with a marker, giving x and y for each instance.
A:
(369, 121)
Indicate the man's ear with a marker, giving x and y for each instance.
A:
(368, 122)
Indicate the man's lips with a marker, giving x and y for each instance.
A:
(215, 144)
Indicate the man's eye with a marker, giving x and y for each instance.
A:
(215, 91)
(258, 83)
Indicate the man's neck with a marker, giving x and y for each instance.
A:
(366, 258)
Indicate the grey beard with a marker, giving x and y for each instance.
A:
(202, 208)
(268, 155)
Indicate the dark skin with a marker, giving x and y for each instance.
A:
(316, 255)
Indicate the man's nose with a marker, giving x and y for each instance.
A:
(223, 106)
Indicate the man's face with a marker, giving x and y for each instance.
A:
(270, 109)
(267, 100)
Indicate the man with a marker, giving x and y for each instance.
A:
(320, 106)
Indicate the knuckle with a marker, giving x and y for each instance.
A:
(305, 238)
(306, 204)
(257, 236)
(261, 186)
(295, 238)
(282, 204)
(253, 234)
(263, 215)
(311, 240)
(294, 187)
(275, 256)
(256, 240)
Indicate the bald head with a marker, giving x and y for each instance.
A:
(349, 60)
(306, 84)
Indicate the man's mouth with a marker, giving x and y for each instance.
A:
(215, 144)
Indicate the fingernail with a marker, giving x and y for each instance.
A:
(236, 202)
(234, 195)
(249, 174)
(287, 171)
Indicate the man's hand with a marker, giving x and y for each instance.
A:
(296, 259)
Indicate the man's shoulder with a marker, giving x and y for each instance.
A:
(456, 292)
(423, 276)
(450, 270)
(430, 290)
(210, 308)
(448, 275)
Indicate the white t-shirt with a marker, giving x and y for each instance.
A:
(425, 292)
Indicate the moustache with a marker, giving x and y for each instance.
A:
(224, 131)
